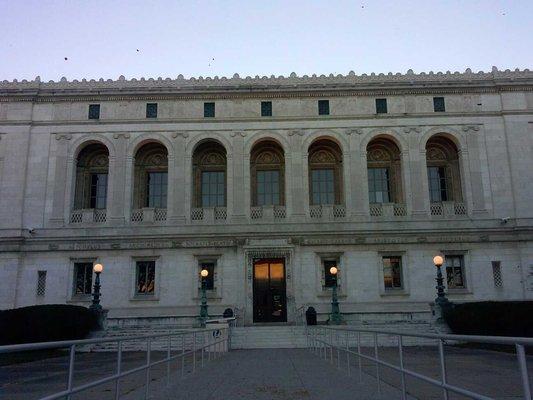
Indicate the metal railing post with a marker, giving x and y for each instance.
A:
(71, 369)
(203, 344)
(168, 359)
(119, 362)
(376, 361)
(400, 351)
(347, 337)
(521, 356)
(148, 350)
(193, 352)
(359, 356)
(338, 351)
(443, 368)
(182, 355)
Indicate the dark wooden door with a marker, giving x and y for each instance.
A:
(270, 297)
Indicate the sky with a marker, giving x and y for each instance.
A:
(105, 39)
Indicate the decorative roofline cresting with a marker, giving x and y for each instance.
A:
(292, 82)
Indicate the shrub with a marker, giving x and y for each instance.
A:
(491, 318)
(45, 323)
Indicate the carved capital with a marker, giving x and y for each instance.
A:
(63, 136)
(239, 133)
(357, 131)
(467, 128)
(409, 129)
(183, 134)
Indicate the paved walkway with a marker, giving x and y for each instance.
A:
(274, 374)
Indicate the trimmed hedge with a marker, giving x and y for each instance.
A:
(491, 318)
(45, 323)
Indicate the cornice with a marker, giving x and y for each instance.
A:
(268, 87)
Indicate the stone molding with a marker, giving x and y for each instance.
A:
(293, 84)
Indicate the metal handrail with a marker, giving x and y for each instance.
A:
(317, 340)
(213, 347)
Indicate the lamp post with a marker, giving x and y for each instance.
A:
(335, 318)
(203, 308)
(95, 306)
(441, 299)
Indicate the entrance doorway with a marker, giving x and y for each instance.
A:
(270, 297)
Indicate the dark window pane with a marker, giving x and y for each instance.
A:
(83, 277)
(381, 106)
(437, 184)
(209, 280)
(455, 277)
(209, 110)
(392, 272)
(323, 186)
(94, 111)
(213, 189)
(151, 110)
(145, 281)
(268, 188)
(323, 107)
(378, 185)
(266, 108)
(98, 191)
(329, 279)
(438, 104)
(156, 189)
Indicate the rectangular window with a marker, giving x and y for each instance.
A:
(213, 187)
(323, 107)
(323, 186)
(156, 189)
(209, 110)
(145, 278)
(94, 111)
(437, 184)
(83, 278)
(438, 104)
(392, 272)
(268, 188)
(151, 110)
(497, 273)
(455, 272)
(41, 283)
(266, 108)
(381, 106)
(98, 191)
(329, 279)
(209, 280)
(378, 185)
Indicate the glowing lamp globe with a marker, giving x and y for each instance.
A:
(333, 270)
(204, 273)
(98, 268)
(438, 261)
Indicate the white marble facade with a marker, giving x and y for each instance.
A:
(488, 117)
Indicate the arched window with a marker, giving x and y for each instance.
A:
(209, 174)
(384, 172)
(151, 176)
(444, 177)
(92, 170)
(267, 171)
(325, 173)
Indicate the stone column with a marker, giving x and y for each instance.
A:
(117, 180)
(407, 189)
(297, 181)
(60, 208)
(473, 163)
(358, 174)
(176, 181)
(418, 173)
(235, 178)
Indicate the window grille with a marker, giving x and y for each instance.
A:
(329, 278)
(145, 278)
(94, 111)
(497, 274)
(455, 272)
(392, 272)
(266, 108)
(41, 283)
(151, 110)
(83, 278)
(323, 107)
(438, 104)
(381, 106)
(209, 110)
